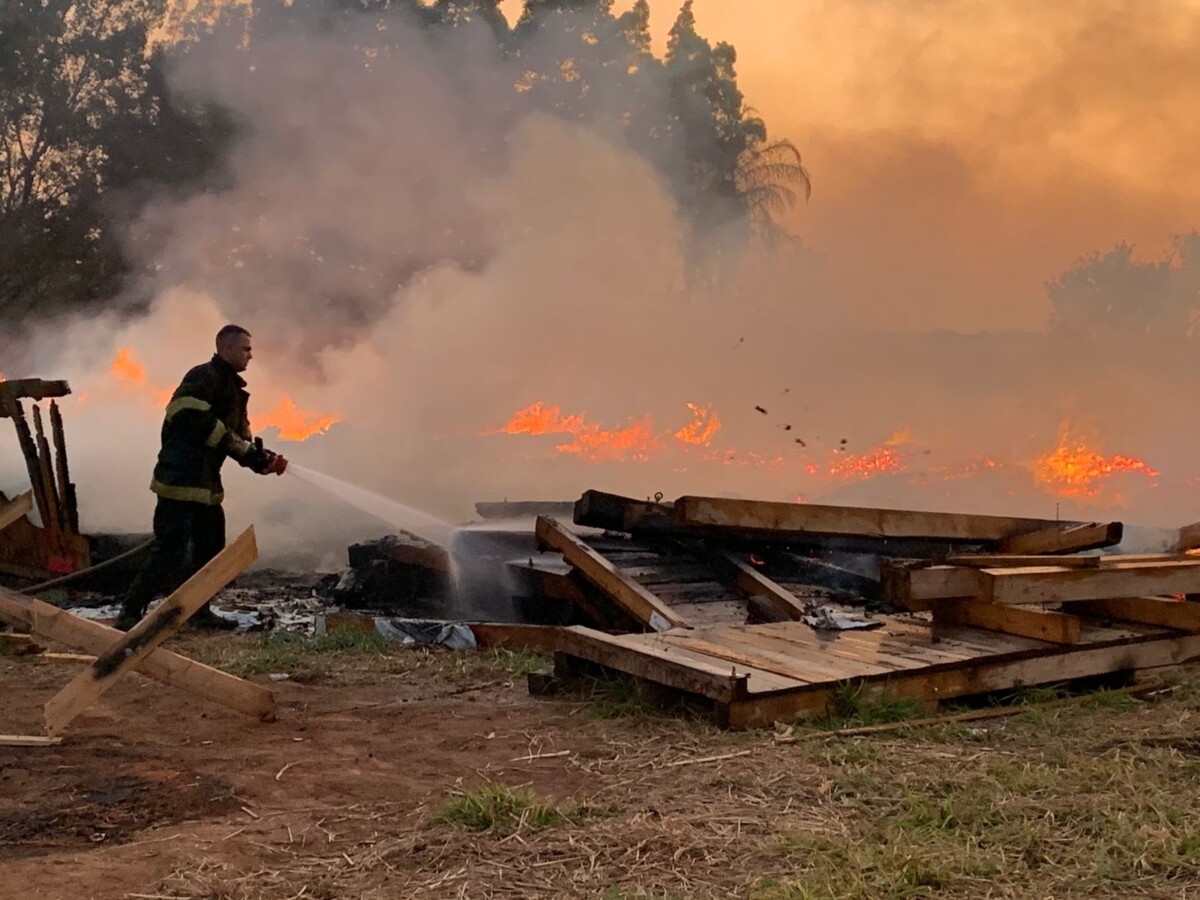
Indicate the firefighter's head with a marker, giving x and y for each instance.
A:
(233, 346)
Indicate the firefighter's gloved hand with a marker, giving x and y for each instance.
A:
(276, 464)
(255, 458)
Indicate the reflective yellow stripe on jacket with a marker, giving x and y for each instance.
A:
(219, 431)
(187, 494)
(179, 404)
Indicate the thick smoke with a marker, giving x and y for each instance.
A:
(544, 261)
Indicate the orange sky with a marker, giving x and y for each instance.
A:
(965, 152)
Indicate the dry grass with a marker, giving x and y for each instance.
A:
(348, 656)
(1095, 798)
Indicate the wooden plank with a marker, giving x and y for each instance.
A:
(812, 667)
(51, 623)
(524, 509)
(1014, 560)
(655, 663)
(673, 594)
(32, 464)
(490, 635)
(1065, 538)
(668, 572)
(626, 593)
(1033, 585)
(1183, 615)
(53, 500)
(28, 740)
(151, 631)
(782, 603)
(566, 585)
(914, 588)
(987, 675)
(1058, 628)
(775, 663)
(16, 509)
(714, 612)
(69, 505)
(873, 647)
(799, 519)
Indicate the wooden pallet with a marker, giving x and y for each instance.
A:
(662, 586)
(759, 674)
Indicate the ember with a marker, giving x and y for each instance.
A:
(1073, 469)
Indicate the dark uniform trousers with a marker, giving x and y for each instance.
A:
(177, 524)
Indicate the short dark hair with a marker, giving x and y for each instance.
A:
(231, 330)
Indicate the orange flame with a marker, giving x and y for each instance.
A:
(294, 424)
(592, 442)
(1072, 469)
(128, 370)
(705, 423)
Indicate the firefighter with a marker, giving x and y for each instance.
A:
(205, 422)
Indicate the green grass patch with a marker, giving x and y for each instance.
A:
(617, 695)
(851, 707)
(504, 810)
(516, 662)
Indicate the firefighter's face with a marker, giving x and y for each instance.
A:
(235, 349)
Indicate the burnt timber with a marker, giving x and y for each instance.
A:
(978, 620)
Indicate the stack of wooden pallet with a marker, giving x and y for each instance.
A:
(719, 590)
(1044, 596)
(705, 560)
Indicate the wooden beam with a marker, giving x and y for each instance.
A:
(151, 631)
(1065, 538)
(54, 506)
(797, 520)
(781, 604)
(1183, 615)
(12, 392)
(915, 587)
(596, 509)
(1050, 584)
(1058, 628)
(51, 623)
(16, 509)
(1189, 537)
(639, 603)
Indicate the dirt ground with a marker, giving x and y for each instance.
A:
(155, 795)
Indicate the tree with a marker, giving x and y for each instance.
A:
(1112, 294)
(84, 111)
(765, 177)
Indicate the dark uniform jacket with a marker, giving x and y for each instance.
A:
(205, 421)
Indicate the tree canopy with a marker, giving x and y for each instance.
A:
(90, 129)
(1115, 295)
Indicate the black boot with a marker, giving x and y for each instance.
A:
(129, 616)
(204, 617)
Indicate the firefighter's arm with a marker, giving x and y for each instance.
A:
(190, 410)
